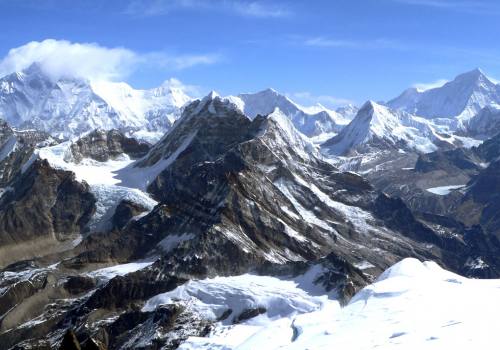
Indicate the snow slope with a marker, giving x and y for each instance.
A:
(412, 305)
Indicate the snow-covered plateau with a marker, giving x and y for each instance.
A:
(412, 305)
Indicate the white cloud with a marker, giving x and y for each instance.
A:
(473, 7)
(428, 86)
(262, 9)
(306, 98)
(190, 90)
(61, 58)
(354, 44)
(178, 62)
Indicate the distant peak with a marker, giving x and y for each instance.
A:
(269, 91)
(35, 67)
(369, 106)
(472, 75)
(212, 95)
(412, 90)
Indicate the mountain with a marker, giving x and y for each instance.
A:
(227, 220)
(309, 121)
(70, 107)
(377, 128)
(479, 206)
(460, 98)
(234, 229)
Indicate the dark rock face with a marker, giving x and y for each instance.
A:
(172, 324)
(397, 216)
(453, 160)
(102, 145)
(124, 212)
(341, 276)
(70, 342)
(44, 206)
(121, 291)
(481, 203)
(249, 313)
(79, 284)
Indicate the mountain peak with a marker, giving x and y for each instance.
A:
(270, 91)
(369, 107)
(212, 95)
(382, 127)
(472, 76)
(34, 68)
(463, 97)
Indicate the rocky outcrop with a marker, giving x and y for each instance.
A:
(42, 208)
(17, 148)
(125, 211)
(449, 161)
(102, 145)
(481, 203)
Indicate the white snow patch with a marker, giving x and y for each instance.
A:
(444, 190)
(118, 270)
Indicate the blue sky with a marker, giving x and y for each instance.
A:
(316, 51)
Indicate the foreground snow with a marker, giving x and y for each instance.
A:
(413, 305)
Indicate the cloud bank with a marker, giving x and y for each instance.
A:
(354, 44)
(61, 58)
(259, 9)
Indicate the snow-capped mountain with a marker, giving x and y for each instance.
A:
(462, 97)
(312, 121)
(377, 127)
(70, 107)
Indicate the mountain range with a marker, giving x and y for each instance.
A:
(147, 219)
